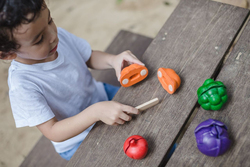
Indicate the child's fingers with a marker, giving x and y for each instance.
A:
(134, 60)
(131, 54)
(118, 74)
(125, 117)
(119, 121)
(130, 110)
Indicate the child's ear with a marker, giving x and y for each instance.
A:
(9, 56)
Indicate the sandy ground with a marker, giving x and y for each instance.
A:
(96, 21)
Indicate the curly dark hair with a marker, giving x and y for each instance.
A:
(12, 14)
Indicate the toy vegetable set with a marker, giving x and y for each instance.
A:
(135, 73)
(211, 135)
(136, 146)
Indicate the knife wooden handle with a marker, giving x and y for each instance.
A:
(148, 104)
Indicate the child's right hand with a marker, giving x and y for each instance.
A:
(113, 113)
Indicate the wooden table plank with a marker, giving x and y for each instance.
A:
(235, 74)
(193, 42)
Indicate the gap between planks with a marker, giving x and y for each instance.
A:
(230, 48)
(237, 38)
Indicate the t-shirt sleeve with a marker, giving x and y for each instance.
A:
(82, 46)
(29, 107)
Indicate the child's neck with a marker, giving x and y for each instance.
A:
(30, 61)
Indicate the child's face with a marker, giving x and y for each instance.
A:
(38, 40)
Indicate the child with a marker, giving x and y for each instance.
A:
(50, 86)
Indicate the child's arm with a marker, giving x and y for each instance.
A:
(109, 112)
(102, 60)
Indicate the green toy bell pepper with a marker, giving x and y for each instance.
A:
(212, 95)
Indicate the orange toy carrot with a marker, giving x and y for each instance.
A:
(169, 80)
(133, 74)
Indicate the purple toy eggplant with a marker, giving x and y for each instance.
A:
(212, 138)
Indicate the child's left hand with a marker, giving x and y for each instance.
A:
(123, 60)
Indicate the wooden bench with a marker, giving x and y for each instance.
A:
(43, 153)
(194, 42)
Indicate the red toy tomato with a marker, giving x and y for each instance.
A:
(135, 147)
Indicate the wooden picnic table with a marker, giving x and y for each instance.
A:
(195, 42)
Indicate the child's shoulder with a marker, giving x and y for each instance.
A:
(18, 79)
(70, 41)
(65, 37)
(62, 33)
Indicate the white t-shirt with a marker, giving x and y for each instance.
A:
(61, 88)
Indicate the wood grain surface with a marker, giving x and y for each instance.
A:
(235, 74)
(193, 42)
